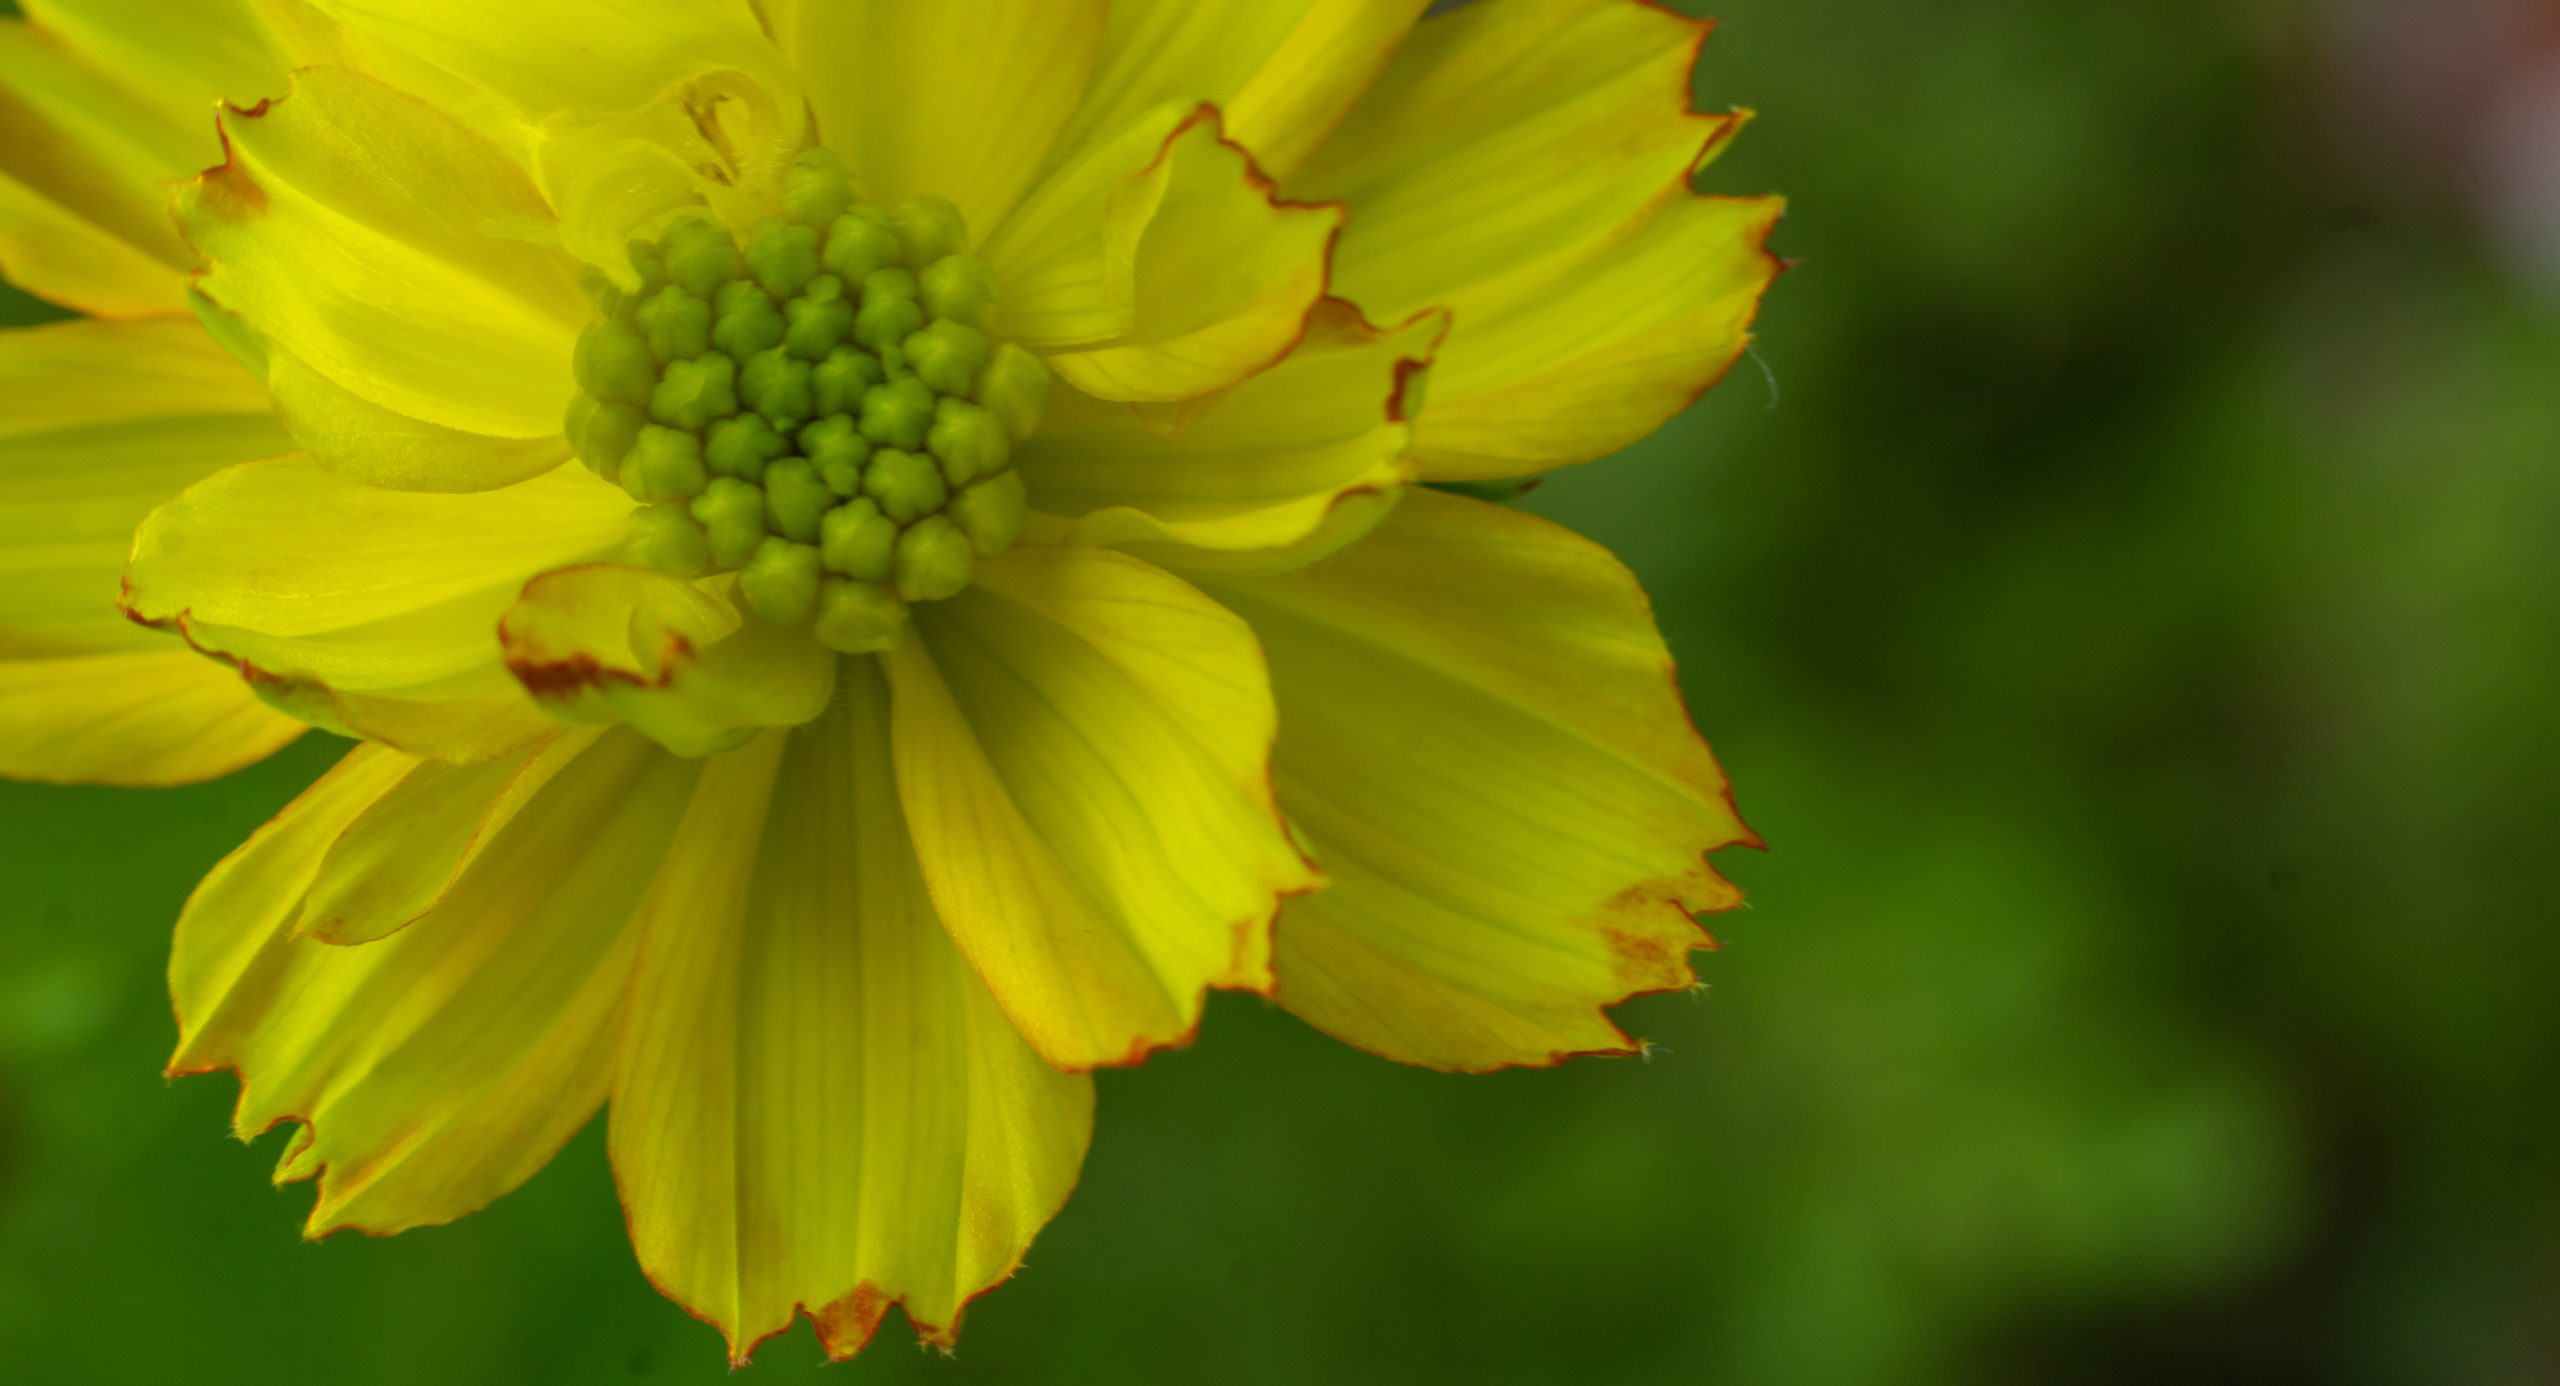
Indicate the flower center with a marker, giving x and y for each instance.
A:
(817, 407)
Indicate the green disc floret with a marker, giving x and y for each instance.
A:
(740, 447)
(817, 406)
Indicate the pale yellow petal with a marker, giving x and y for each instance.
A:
(1572, 362)
(1224, 274)
(957, 98)
(406, 850)
(1255, 468)
(576, 57)
(1283, 70)
(1525, 164)
(54, 254)
(185, 55)
(91, 144)
(819, 1105)
(367, 443)
(1082, 748)
(1483, 741)
(610, 643)
(395, 250)
(437, 1069)
(326, 587)
(99, 422)
(133, 717)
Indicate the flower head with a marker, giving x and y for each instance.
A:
(996, 597)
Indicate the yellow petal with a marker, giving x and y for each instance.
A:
(327, 587)
(1483, 741)
(1283, 70)
(958, 98)
(54, 254)
(1067, 263)
(1224, 274)
(93, 146)
(583, 57)
(819, 1104)
(134, 717)
(439, 1068)
(1083, 751)
(364, 442)
(1257, 467)
(99, 422)
(184, 55)
(1525, 164)
(406, 850)
(394, 250)
(608, 643)
(1573, 362)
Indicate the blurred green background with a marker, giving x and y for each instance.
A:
(2123, 587)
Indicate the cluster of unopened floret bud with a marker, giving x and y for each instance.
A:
(818, 407)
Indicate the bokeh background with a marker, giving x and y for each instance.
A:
(2125, 583)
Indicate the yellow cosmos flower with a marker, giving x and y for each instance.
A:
(994, 600)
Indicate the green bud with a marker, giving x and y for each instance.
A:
(991, 513)
(782, 257)
(746, 324)
(667, 538)
(819, 320)
(701, 257)
(603, 434)
(839, 381)
(741, 446)
(612, 363)
(948, 355)
(893, 282)
(675, 324)
(1015, 388)
(860, 242)
(815, 189)
(859, 617)
(933, 560)
(780, 583)
(664, 465)
(898, 413)
(837, 446)
(691, 394)
(960, 288)
(776, 386)
(737, 296)
(904, 483)
(732, 516)
(928, 229)
(967, 440)
(886, 320)
(794, 499)
(855, 539)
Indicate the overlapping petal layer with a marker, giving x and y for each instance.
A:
(371, 608)
(1283, 70)
(436, 1069)
(1482, 739)
(1255, 468)
(1525, 164)
(607, 643)
(86, 148)
(394, 250)
(819, 1104)
(99, 422)
(1083, 751)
